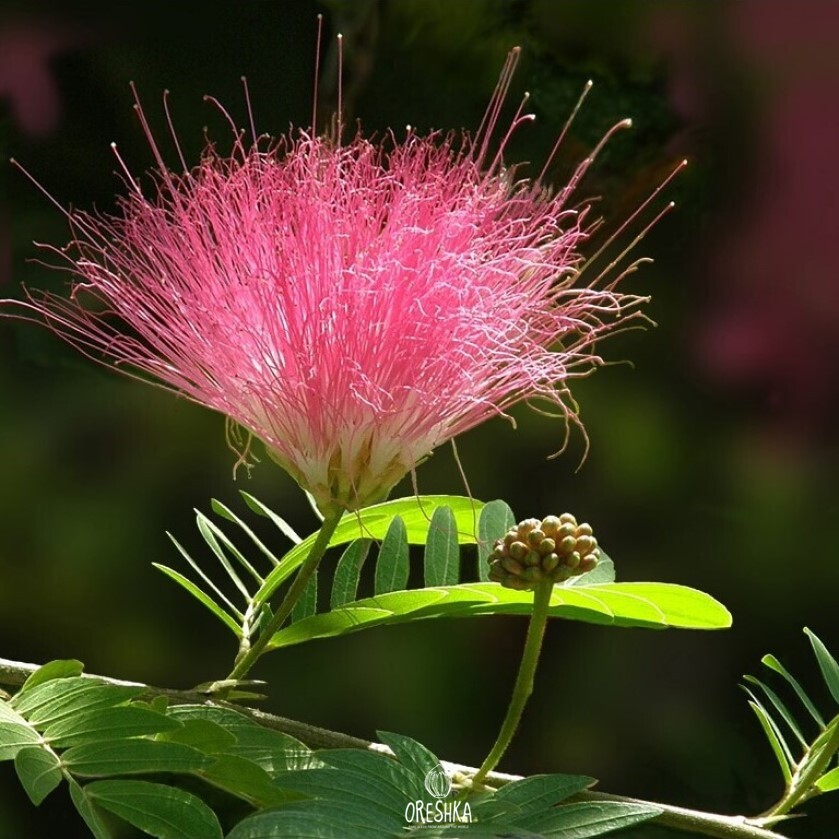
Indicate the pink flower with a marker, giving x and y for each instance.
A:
(353, 306)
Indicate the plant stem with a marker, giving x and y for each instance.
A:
(15, 673)
(524, 680)
(246, 662)
(692, 821)
(808, 771)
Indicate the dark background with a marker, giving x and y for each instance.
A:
(713, 459)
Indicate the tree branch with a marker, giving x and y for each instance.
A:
(15, 673)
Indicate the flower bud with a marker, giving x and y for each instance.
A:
(555, 548)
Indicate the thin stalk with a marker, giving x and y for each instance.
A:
(524, 681)
(246, 662)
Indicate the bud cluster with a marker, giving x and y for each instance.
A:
(555, 548)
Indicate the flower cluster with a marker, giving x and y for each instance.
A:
(352, 305)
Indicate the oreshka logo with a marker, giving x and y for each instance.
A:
(440, 811)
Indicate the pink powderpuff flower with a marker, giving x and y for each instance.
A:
(352, 305)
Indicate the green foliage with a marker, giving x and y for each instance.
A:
(651, 605)
(444, 522)
(98, 736)
(62, 726)
(805, 767)
(444, 525)
(369, 795)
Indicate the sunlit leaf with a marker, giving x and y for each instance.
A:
(603, 572)
(773, 735)
(652, 605)
(773, 664)
(60, 698)
(829, 782)
(780, 707)
(442, 550)
(372, 523)
(59, 669)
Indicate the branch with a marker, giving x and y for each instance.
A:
(15, 673)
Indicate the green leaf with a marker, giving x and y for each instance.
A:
(348, 573)
(39, 771)
(773, 664)
(827, 664)
(829, 782)
(60, 698)
(780, 707)
(260, 509)
(206, 736)
(107, 724)
(162, 811)
(274, 751)
(442, 551)
(412, 755)
(773, 735)
(377, 795)
(128, 757)
(225, 512)
(201, 597)
(392, 567)
(496, 519)
(308, 603)
(319, 820)
(15, 732)
(207, 580)
(395, 782)
(59, 669)
(603, 572)
(90, 815)
(212, 535)
(581, 821)
(246, 780)
(539, 792)
(651, 605)
(372, 523)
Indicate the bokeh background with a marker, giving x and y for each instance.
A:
(713, 456)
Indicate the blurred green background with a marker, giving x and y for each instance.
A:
(713, 458)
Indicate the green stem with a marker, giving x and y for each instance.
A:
(309, 566)
(524, 681)
(809, 770)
